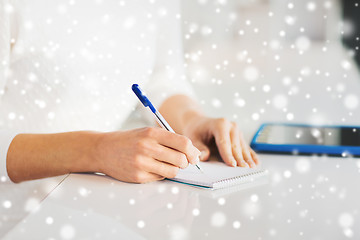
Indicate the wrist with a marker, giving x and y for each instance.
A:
(88, 160)
(192, 118)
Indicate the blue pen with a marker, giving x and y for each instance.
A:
(146, 102)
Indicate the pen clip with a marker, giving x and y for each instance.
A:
(145, 101)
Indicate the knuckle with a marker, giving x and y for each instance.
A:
(157, 150)
(187, 143)
(223, 124)
(137, 161)
(137, 177)
(149, 131)
(223, 143)
(160, 178)
(183, 162)
(141, 146)
(234, 125)
(221, 121)
(172, 172)
(140, 143)
(241, 134)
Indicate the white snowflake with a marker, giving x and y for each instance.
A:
(31, 204)
(236, 224)
(346, 64)
(67, 232)
(302, 165)
(12, 115)
(131, 201)
(303, 43)
(83, 192)
(254, 198)
(218, 219)
(287, 174)
(221, 201)
(290, 20)
(311, 6)
(239, 102)
(129, 22)
(175, 190)
(216, 103)
(280, 101)
(255, 116)
(251, 73)
(196, 212)
(351, 101)
(178, 232)
(290, 116)
(346, 220)
(140, 224)
(266, 88)
(51, 115)
(348, 232)
(49, 220)
(206, 30)
(3, 178)
(7, 204)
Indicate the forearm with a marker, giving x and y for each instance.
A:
(34, 156)
(178, 110)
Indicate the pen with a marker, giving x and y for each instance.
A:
(161, 120)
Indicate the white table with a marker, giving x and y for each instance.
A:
(303, 198)
(17, 201)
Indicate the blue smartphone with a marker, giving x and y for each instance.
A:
(307, 139)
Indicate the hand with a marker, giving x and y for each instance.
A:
(229, 140)
(144, 155)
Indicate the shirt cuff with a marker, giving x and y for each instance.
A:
(161, 89)
(6, 138)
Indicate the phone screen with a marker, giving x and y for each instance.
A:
(332, 136)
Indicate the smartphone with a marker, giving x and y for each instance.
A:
(307, 139)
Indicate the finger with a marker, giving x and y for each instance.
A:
(205, 151)
(254, 156)
(236, 146)
(160, 168)
(146, 177)
(246, 152)
(223, 142)
(169, 155)
(179, 143)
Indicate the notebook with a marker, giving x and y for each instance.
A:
(217, 175)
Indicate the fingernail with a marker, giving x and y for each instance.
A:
(198, 151)
(234, 163)
(202, 154)
(197, 160)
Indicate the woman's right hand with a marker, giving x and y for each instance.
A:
(143, 155)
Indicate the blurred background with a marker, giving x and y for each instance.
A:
(271, 60)
(255, 61)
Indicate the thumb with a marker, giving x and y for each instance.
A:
(205, 151)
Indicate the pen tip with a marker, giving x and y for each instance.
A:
(198, 167)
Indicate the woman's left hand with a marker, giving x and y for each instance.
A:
(228, 138)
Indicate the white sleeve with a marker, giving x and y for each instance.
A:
(168, 77)
(6, 136)
(5, 139)
(5, 11)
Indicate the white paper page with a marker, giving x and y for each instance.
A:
(213, 172)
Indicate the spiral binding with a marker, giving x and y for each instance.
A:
(239, 179)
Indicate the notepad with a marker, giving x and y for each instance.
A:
(217, 175)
